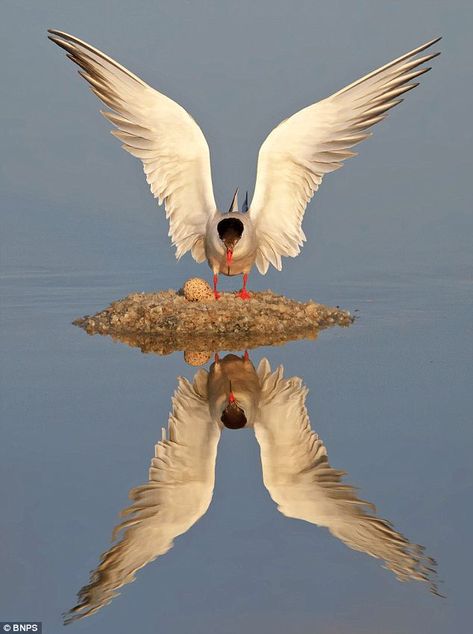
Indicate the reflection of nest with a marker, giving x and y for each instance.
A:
(165, 321)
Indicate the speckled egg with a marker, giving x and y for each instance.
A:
(197, 290)
(196, 358)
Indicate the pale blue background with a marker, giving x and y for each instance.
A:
(389, 235)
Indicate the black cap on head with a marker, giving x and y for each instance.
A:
(233, 416)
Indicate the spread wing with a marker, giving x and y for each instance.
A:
(157, 130)
(301, 481)
(315, 141)
(178, 493)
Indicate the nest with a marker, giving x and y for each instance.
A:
(166, 321)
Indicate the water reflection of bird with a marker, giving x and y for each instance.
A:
(296, 473)
(291, 164)
(233, 391)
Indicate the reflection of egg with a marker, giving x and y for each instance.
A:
(197, 290)
(196, 358)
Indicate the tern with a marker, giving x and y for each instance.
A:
(234, 394)
(292, 161)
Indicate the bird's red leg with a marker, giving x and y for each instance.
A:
(246, 356)
(244, 293)
(216, 293)
(216, 358)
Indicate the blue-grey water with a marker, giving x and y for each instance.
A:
(388, 237)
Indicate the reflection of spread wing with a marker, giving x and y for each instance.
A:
(157, 130)
(179, 491)
(300, 480)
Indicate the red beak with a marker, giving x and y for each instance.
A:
(231, 398)
(229, 256)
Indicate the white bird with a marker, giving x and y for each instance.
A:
(291, 164)
(295, 467)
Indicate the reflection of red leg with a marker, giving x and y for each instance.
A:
(244, 293)
(216, 293)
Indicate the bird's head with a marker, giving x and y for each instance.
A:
(230, 231)
(233, 417)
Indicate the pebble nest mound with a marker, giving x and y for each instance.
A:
(166, 321)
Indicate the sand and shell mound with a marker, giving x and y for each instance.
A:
(165, 321)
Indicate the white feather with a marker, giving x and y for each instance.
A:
(157, 130)
(315, 141)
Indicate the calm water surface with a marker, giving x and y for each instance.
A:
(389, 397)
